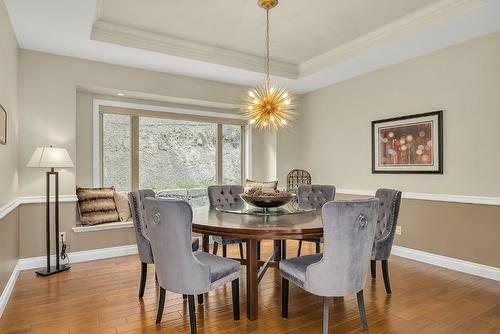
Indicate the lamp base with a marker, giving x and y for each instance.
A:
(53, 270)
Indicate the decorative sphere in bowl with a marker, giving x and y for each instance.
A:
(267, 200)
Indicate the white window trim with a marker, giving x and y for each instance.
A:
(103, 227)
(96, 144)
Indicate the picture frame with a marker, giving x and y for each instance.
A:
(410, 144)
(3, 125)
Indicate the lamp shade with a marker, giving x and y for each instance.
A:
(50, 157)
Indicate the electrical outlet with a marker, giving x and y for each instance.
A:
(62, 236)
(398, 229)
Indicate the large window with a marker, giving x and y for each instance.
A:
(176, 155)
(116, 151)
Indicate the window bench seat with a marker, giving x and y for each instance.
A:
(103, 227)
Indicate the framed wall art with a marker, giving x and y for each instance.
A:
(409, 144)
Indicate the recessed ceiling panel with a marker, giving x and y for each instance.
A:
(300, 30)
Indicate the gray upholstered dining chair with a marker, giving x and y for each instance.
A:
(227, 197)
(136, 200)
(349, 230)
(390, 202)
(179, 269)
(314, 197)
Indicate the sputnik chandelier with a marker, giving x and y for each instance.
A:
(269, 107)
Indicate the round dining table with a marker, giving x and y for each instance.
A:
(253, 226)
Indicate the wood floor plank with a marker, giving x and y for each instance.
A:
(101, 297)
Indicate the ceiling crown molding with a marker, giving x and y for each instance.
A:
(108, 32)
(422, 19)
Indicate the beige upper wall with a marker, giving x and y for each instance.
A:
(264, 155)
(48, 104)
(333, 139)
(9, 100)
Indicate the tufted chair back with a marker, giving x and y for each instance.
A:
(169, 224)
(227, 197)
(349, 229)
(136, 200)
(314, 196)
(390, 201)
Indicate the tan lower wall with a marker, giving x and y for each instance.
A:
(9, 246)
(468, 232)
(32, 231)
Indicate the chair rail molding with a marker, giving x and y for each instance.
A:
(16, 202)
(9, 207)
(466, 199)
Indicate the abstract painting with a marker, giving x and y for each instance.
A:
(409, 144)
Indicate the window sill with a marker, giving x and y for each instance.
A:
(103, 227)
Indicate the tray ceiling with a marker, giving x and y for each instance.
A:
(314, 43)
(300, 30)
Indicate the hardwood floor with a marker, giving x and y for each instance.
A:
(101, 297)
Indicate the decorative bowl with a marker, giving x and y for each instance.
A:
(268, 201)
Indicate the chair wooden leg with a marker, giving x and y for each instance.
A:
(184, 297)
(362, 312)
(326, 313)
(373, 267)
(235, 285)
(200, 298)
(299, 248)
(192, 314)
(283, 249)
(224, 250)
(385, 273)
(277, 250)
(142, 284)
(156, 277)
(284, 297)
(318, 248)
(241, 251)
(258, 250)
(161, 305)
(216, 247)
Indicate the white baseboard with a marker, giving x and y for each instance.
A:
(7, 291)
(448, 262)
(82, 256)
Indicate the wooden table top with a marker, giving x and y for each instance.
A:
(244, 226)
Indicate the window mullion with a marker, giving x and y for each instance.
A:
(219, 154)
(242, 152)
(101, 150)
(135, 152)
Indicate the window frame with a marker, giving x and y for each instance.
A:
(135, 111)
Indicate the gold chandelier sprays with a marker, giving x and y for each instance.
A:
(269, 107)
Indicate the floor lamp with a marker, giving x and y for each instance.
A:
(51, 157)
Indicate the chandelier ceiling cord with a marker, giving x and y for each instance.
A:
(269, 107)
